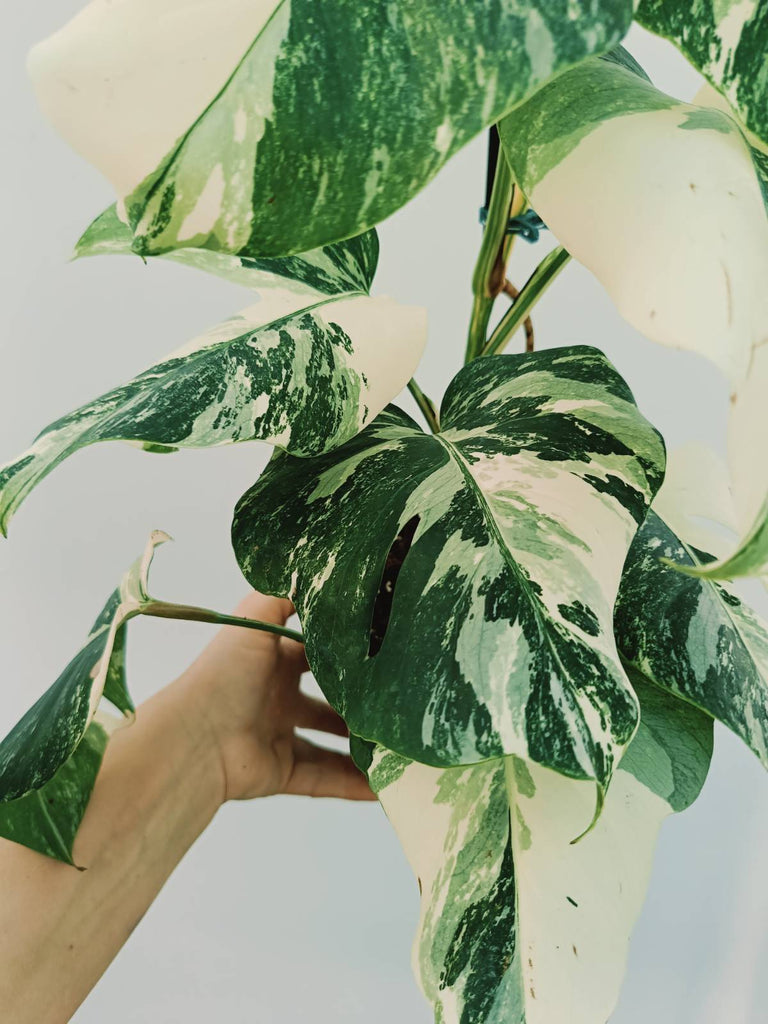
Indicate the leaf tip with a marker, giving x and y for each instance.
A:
(599, 802)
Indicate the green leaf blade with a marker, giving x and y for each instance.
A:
(692, 637)
(52, 730)
(47, 819)
(526, 505)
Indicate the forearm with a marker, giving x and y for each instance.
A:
(159, 787)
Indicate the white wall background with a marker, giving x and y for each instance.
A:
(288, 909)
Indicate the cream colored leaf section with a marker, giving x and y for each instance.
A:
(748, 442)
(570, 907)
(300, 374)
(519, 923)
(670, 218)
(695, 499)
(665, 203)
(124, 79)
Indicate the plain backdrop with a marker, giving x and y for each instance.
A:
(287, 909)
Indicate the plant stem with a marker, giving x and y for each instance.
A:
(426, 405)
(514, 294)
(490, 270)
(166, 610)
(531, 292)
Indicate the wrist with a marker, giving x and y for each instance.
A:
(201, 742)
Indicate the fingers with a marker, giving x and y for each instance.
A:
(269, 609)
(312, 713)
(276, 610)
(326, 773)
(293, 653)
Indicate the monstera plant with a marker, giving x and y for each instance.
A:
(533, 646)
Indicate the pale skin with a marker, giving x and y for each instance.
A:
(224, 730)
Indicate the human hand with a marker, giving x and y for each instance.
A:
(245, 690)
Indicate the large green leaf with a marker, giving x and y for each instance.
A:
(331, 270)
(47, 819)
(300, 369)
(692, 636)
(671, 208)
(727, 40)
(519, 516)
(53, 728)
(280, 126)
(518, 924)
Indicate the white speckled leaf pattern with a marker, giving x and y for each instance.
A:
(693, 637)
(671, 208)
(727, 40)
(49, 733)
(333, 117)
(300, 369)
(331, 270)
(519, 925)
(499, 639)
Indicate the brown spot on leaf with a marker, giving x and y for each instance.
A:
(575, 951)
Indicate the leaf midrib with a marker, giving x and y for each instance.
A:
(170, 158)
(493, 529)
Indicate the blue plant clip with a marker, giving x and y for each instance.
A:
(527, 225)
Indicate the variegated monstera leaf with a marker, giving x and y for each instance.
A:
(343, 268)
(727, 40)
(518, 923)
(305, 368)
(671, 208)
(49, 760)
(691, 636)
(278, 126)
(456, 590)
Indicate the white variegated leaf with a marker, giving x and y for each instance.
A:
(331, 270)
(692, 636)
(511, 526)
(671, 218)
(727, 40)
(280, 125)
(304, 371)
(669, 206)
(518, 923)
(53, 728)
(695, 500)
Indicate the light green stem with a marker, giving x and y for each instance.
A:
(166, 610)
(426, 405)
(488, 278)
(530, 293)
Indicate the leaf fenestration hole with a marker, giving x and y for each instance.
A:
(382, 606)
